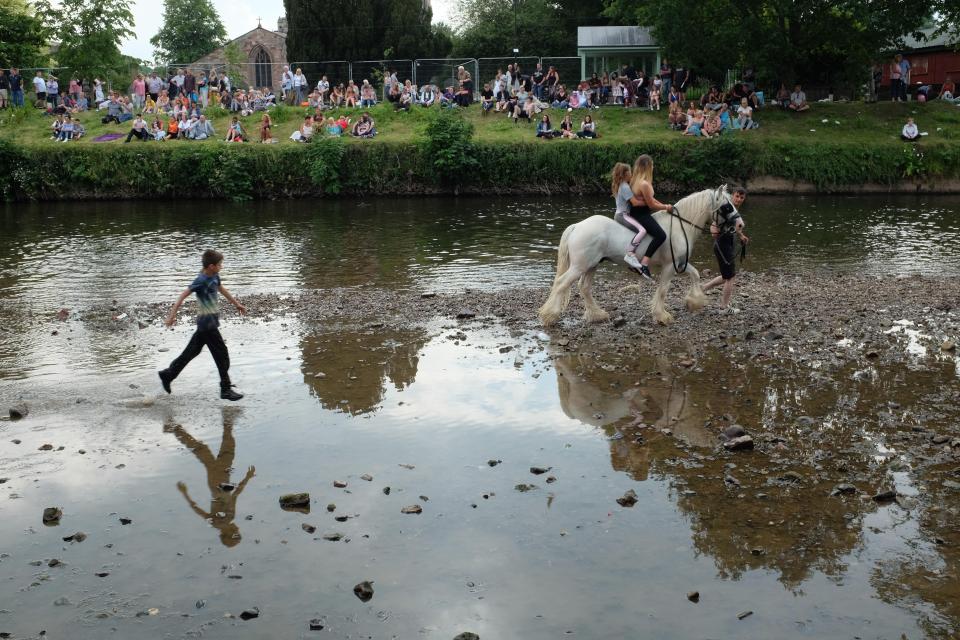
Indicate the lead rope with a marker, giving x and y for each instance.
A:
(673, 258)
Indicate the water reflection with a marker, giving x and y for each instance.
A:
(223, 492)
(348, 370)
(746, 511)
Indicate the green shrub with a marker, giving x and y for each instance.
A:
(447, 144)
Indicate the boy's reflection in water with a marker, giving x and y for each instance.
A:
(223, 497)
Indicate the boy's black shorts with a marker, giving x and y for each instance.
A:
(725, 250)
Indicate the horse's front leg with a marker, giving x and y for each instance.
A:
(695, 298)
(592, 311)
(658, 306)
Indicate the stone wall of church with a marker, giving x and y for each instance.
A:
(250, 43)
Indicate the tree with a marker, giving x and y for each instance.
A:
(814, 41)
(90, 33)
(191, 29)
(491, 28)
(322, 30)
(21, 37)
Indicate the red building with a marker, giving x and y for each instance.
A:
(931, 61)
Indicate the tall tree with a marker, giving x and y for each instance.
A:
(490, 28)
(191, 29)
(815, 41)
(22, 37)
(321, 30)
(90, 33)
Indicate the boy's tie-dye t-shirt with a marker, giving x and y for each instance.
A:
(208, 312)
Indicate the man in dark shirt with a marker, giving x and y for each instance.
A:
(537, 78)
(16, 87)
(4, 89)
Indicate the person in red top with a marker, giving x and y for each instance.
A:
(344, 123)
(948, 91)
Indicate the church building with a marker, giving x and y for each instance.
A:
(264, 54)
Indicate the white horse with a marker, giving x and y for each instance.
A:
(585, 244)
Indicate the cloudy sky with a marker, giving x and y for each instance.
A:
(239, 16)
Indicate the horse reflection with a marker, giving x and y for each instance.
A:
(223, 494)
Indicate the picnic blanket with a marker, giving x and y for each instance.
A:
(107, 137)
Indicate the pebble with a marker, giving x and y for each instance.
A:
(493, 463)
(19, 411)
(367, 477)
(309, 528)
(466, 635)
(331, 508)
(743, 443)
(364, 590)
(744, 614)
(295, 500)
(628, 499)
(539, 470)
(843, 489)
(333, 537)
(250, 614)
(523, 488)
(693, 596)
(412, 509)
(885, 496)
(466, 314)
(52, 515)
(79, 536)
(316, 624)
(62, 601)
(125, 521)
(339, 484)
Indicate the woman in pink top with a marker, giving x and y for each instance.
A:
(75, 89)
(139, 91)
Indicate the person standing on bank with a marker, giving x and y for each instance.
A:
(727, 224)
(206, 285)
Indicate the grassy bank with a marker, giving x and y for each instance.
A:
(857, 144)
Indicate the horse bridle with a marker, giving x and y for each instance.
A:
(674, 213)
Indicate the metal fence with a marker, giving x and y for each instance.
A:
(488, 67)
(443, 72)
(568, 68)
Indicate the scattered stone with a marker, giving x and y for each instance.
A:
(563, 342)
(19, 411)
(687, 363)
(15, 441)
(804, 421)
(506, 349)
(79, 536)
(523, 488)
(628, 499)
(744, 614)
(62, 601)
(45, 447)
(466, 314)
(102, 574)
(619, 321)
(316, 624)
(407, 466)
(950, 484)
(885, 496)
(342, 518)
(539, 470)
(331, 508)
(295, 500)
(414, 509)
(4, 480)
(125, 521)
(940, 439)
(386, 491)
(734, 431)
(333, 537)
(493, 463)
(948, 345)
(367, 477)
(52, 515)
(339, 484)
(743, 443)
(250, 614)
(424, 498)
(54, 563)
(693, 596)
(467, 635)
(790, 477)
(841, 489)
(428, 294)
(551, 479)
(309, 528)
(320, 375)
(200, 604)
(364, 590)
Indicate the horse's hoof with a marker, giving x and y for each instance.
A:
(665, 319)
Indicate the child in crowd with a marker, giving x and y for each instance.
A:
(334, 128)
(236, 133)
(655, 96)
(566, 127)
(676, 118)
(66, 130)
(157, 129)
(206, 285)
(544, 128)
(365, 127)
(694, 122)
(910, 132)
(266, 137)
(588, 128)
(56, 125)
(745, 115)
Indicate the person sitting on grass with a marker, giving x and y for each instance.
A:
(350, 95)
(427, 95)
(55, 127)
(305, 132)
(78, 129)
(560, 99)
(336, 96)
(487, 99)
(365, 127)
(544, 128)
(114, 110)
(266, 124)
(566, 127)
(948, 91)
(711, 124)
(783, 97)
(745, 115)
(333, 128)
(405, 101)
(726, 122)
(588, 128)
(66, 130)
(202, 129)
(139, 130)
(173, 128)
(694, 123)
(149, 105)
(530, 108)
(236, 133)
(910, 132)
(368, 95)
(798, 100)
(676, 119)
(157, 129)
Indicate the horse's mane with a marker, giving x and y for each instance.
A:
(698, 206)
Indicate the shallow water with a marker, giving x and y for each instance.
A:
(335, 402)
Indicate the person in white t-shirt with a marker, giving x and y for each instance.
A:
(910, 132)
(745, 115)
(40, 87)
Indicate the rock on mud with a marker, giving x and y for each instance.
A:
(316, 624)
(628, 499)
(743, 443)
(250, 614)
(414, 508)
(844, 488)
(883, 497)
(539, 470)
(364, 590)
(52, 515)
(523, 488)
(295, 500)
(693, 596)
(19, 411)
(309, 528)
(79, 536)
(466, 635)
(340, 484)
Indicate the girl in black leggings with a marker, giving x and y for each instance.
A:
(642, 207)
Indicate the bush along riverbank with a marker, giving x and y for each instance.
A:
(445, 157)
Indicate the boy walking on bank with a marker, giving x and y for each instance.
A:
(206, 285)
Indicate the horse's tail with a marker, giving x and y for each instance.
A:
(559, 297)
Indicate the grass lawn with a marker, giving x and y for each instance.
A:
(824, 122)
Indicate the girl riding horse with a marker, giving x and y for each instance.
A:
(640, 217)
